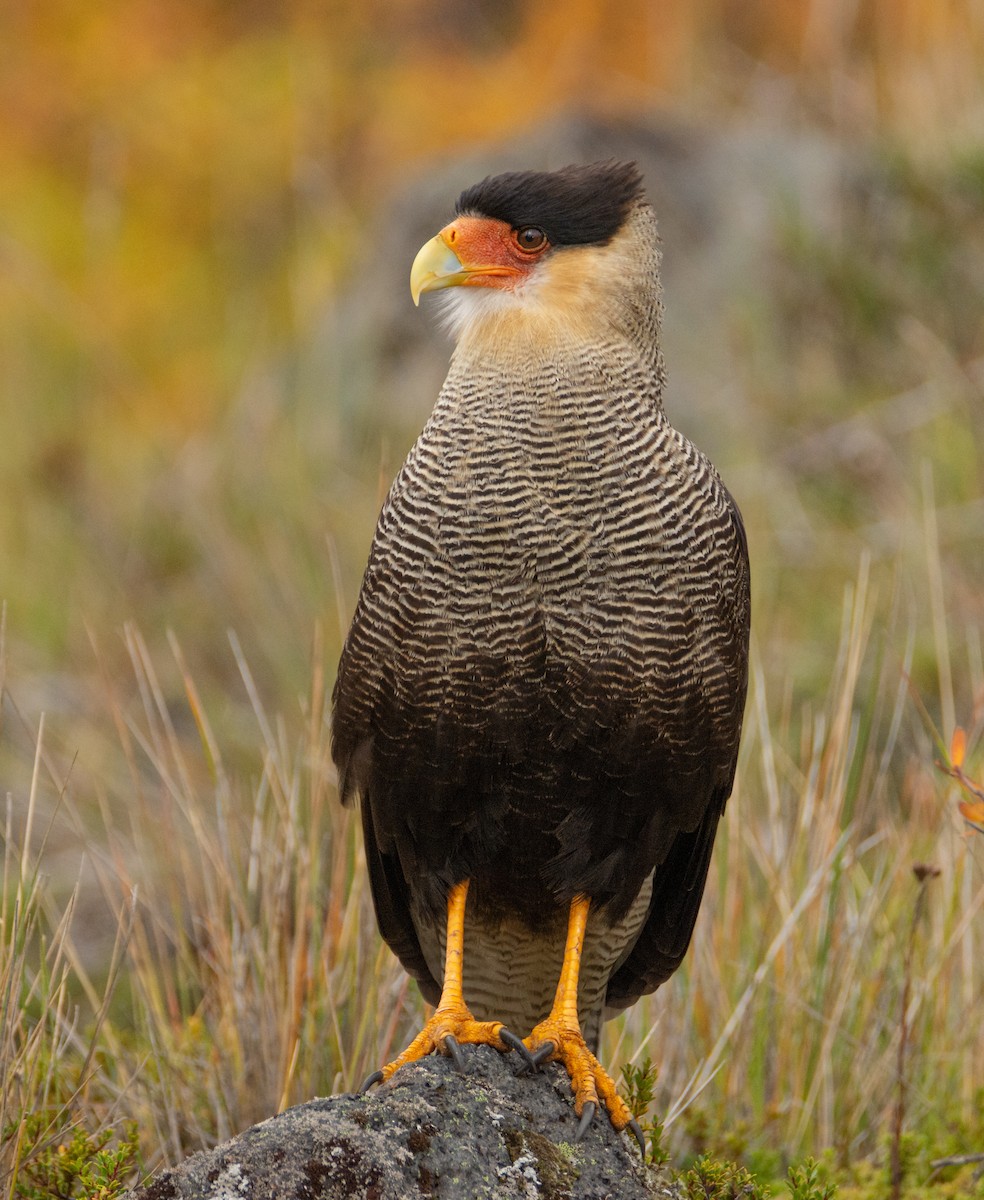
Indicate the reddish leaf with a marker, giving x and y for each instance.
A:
(973, 812)
(958, 747)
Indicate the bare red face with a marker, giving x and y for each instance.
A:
(477, 252)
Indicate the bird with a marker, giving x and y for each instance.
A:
(539, 701)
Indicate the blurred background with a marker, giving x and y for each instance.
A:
(210, 369)
(206, 217)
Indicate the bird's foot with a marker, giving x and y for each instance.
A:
(555, 1041)
(449, 1028)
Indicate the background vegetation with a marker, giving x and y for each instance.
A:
(188, 493)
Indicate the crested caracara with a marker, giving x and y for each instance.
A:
(540, 699)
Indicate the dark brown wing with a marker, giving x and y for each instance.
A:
(391, 899)
(678, 886)
(678, 883)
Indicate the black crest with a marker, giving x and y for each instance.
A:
(577, 205)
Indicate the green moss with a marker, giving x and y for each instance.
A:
(555, 1165)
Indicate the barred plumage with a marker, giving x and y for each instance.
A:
(543, 685)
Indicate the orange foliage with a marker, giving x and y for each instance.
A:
(958, 747)
(972, 810)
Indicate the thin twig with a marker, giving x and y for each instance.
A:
(923, 873)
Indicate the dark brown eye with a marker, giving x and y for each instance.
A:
(530, 238)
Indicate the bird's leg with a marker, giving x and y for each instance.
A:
(451, 1023)
(558, 1038)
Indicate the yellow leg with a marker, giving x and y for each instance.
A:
(451, 1022)
(558, 1037)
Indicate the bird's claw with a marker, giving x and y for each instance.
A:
(454, 1049)
(449, 1028)
(633, 1128)
(541, 1054)
(533, 1060)
(587, 1116)
(517, 1044)
(506, 1036)
(370, 1081)
(557, 1038)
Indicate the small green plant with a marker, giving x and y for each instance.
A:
(712, 1179)
(639, 1089)
(809, 1180)
(97, 1166)
(907, 1157)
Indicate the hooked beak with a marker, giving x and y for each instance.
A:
(436, 266)
(470, 252)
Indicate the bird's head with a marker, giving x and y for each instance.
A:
(570, 253)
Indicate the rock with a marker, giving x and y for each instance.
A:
(430, 1132)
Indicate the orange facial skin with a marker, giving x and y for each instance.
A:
(477, 252)
(490, 251)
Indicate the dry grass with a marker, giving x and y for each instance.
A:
(249, 975)
(255, 947)
(53, 1018)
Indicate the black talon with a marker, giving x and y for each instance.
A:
(587, 1116)
(633, 1126)
(374, 1078)
(541, 1054)
(454, 1049)
(517, 1044)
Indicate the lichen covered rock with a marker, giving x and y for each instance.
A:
(430, 1132)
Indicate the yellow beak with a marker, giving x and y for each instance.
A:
(436, 266)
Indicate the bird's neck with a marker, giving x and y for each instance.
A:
(527, 369)
(567, 325)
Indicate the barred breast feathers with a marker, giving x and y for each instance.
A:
(593, 524)
(548, 486)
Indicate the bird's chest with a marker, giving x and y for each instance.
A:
(537, 505)
(520, 550)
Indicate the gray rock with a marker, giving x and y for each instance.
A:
(430, 1132)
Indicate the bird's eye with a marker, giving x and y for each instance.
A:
(530, 239)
